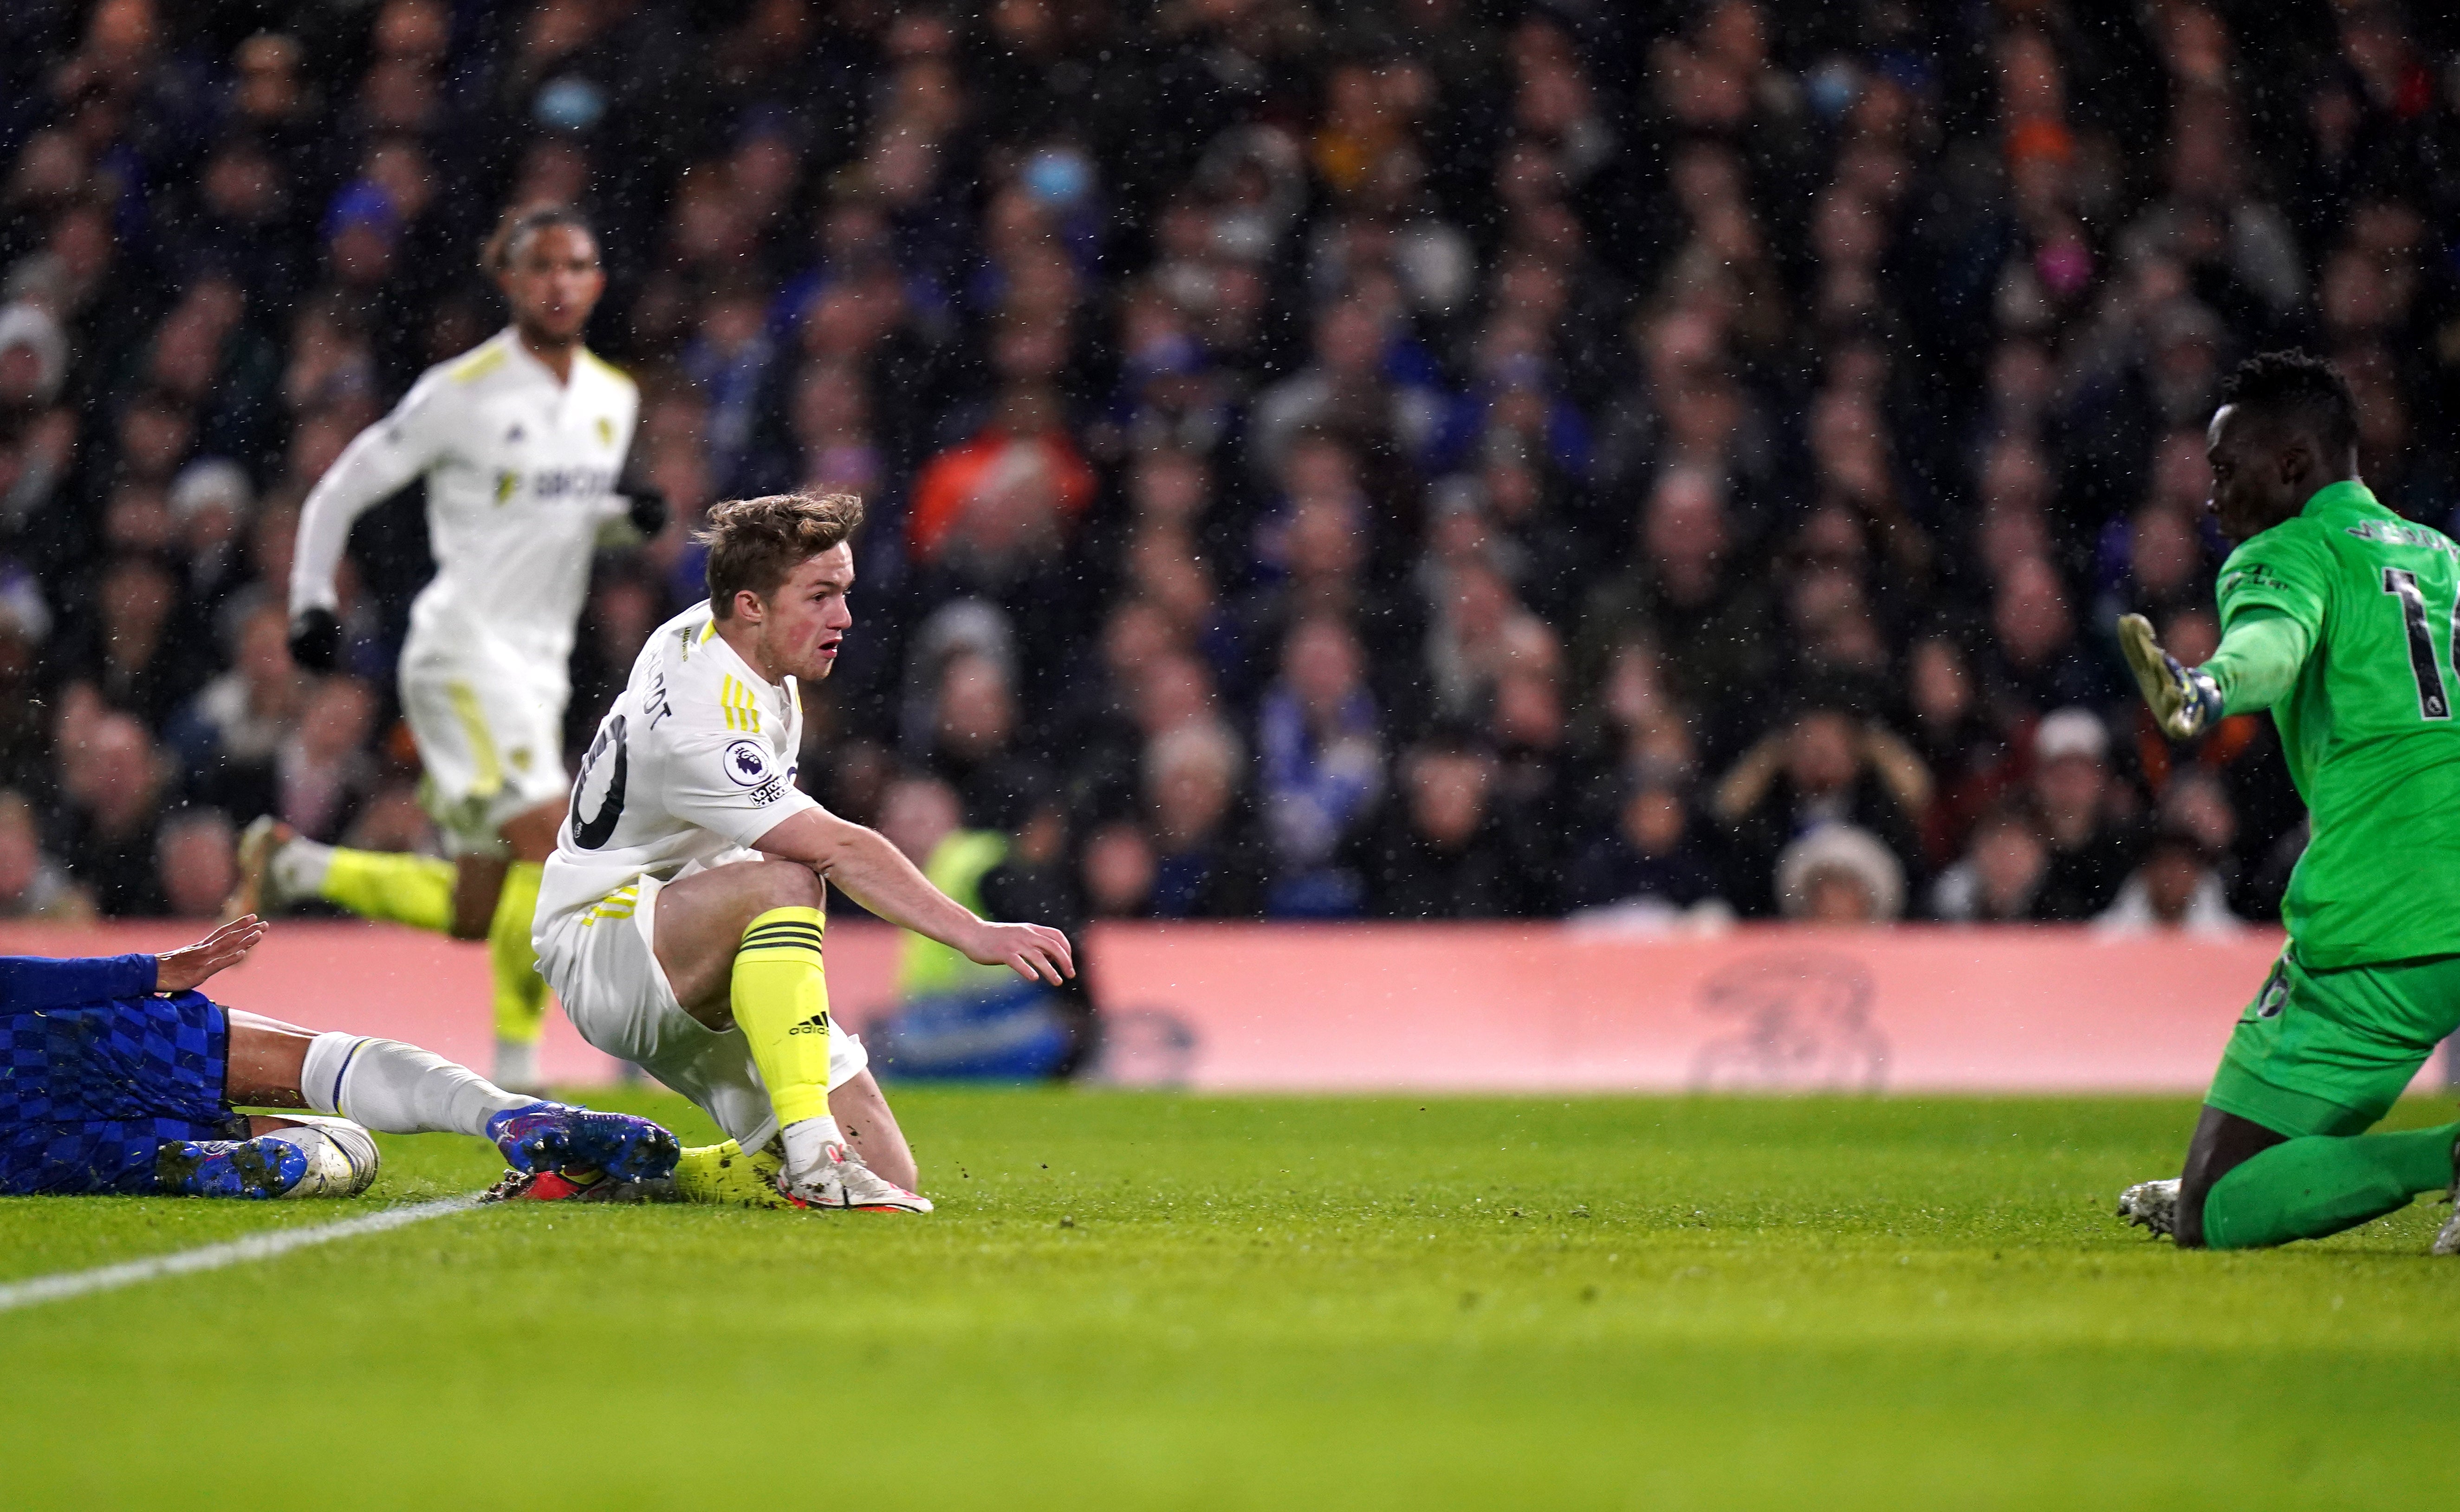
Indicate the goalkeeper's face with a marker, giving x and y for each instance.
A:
(552, 280)
(2260, 476)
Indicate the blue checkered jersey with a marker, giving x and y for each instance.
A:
(32, 981)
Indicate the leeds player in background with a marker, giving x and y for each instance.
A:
(681, 921)
(2337, 616)
(519, 440)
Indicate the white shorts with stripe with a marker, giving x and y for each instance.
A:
(601, 964)
(490, 733)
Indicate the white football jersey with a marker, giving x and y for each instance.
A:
(520, 474)
(696, 761)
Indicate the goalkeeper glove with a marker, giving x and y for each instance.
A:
(317, 640)
(646, 509)
(2186, 700)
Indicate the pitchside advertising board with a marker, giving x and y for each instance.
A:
(1442, 1008)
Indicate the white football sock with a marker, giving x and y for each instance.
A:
(516, 1063)
(298, 867)
(393, 1088)
(807, 1141)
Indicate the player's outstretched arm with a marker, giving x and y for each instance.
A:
(877, 875)
(379, 463)
(2185, 701)
(2255, 666)
(190, 964)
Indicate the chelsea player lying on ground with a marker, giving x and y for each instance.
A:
(119, 1077)
(2337, 615)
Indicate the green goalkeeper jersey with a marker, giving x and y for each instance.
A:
(2367, 724)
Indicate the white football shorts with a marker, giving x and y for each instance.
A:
(600, 963)
(490, 734)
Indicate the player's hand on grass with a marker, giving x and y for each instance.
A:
(1034, 952)
(2185, 701)
(317, 640)
(178, 971)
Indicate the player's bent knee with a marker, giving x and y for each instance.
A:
(786, 884)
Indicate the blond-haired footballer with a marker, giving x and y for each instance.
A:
(680, 919)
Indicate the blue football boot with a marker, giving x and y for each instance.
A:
(336, 1161)
(554, 1137)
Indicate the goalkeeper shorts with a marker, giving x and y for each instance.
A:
(600, 962)
(2330, 1052)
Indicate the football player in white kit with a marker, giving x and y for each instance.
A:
(519, 440)
(681, 918)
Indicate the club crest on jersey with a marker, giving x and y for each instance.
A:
(508, 481)
(747, 764)
(2254, 575)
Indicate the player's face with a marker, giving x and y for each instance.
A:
(553, 282)
(806, 619)
(2250, 494)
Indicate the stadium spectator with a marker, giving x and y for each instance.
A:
(33, 885)
(2093, 848)
(1444, 851)
(1207, 861)
(114, 780)
(229, 736)
(2175, 889)
(1693, 596)
(1321, 757)
(975, 748)
(196, 863)
(1949, 732)
(321, 770)
(1119, 870)
(2000, 874)
(1651, 859)
(1839, 874)
(1828, 767)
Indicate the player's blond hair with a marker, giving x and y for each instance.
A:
(758, 543)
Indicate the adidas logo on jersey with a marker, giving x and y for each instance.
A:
(816, 1024)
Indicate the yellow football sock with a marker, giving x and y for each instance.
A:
(781, 1003)
(521, 993)
(392, 885)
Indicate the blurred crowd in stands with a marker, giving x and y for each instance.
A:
(1426, 459)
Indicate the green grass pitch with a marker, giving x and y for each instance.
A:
(1158, 1301)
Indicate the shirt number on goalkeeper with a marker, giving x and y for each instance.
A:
(2433, 701)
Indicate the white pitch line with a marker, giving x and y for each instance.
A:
(38, 1289)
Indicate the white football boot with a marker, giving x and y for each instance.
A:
(842, 1181)
(341, 1163)
(2448, 1242)
(2153, 1205)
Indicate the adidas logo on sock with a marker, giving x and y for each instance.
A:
(816, 1024)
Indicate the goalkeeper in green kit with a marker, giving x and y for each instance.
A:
(2338, 617)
